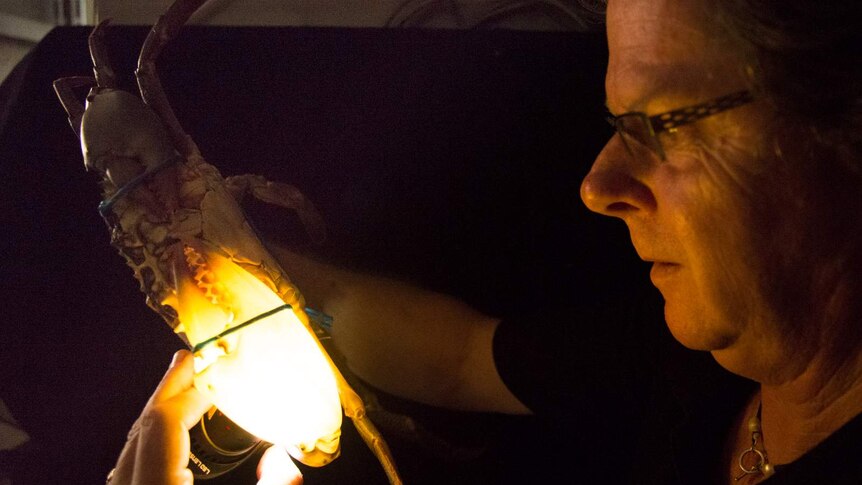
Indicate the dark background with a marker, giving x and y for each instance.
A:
(449, 159)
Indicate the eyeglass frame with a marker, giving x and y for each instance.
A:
(669, 121)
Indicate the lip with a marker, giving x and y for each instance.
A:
(662, 270)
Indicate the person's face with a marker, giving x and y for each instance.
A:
(715, 216)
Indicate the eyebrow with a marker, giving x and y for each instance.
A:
(665, 86)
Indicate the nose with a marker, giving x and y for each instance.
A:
(615, 185)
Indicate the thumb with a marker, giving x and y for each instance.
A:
(277, 468)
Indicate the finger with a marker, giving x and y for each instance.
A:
(188, 406)
(178, 378)
(154, 454)
(125, 468)
(276, 468)
(163, 450)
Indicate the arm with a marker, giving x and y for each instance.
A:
(407, 341)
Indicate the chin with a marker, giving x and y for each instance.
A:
(736, 362)
(694, 329)
(696, 333)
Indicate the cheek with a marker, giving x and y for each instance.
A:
(723, 185)
(714, 209)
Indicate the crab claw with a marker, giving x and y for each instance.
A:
(201, 315)
(260, 365)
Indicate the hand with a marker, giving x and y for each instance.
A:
(157, 448)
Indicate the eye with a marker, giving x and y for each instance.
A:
(681, 139)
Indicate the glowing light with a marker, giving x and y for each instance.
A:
(269, 377)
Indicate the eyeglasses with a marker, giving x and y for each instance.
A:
(638, 129)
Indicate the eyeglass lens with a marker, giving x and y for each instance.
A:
(637, 134)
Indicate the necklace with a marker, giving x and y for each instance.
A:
(758, 462)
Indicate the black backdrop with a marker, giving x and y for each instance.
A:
(450, 159)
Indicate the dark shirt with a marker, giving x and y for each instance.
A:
(631, 405)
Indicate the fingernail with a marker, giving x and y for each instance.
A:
(179, 355)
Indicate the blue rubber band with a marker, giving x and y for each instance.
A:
(319, 318)
(106, 205)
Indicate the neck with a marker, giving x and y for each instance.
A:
(799, 414)
(823, 391)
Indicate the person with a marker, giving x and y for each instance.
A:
(736, 166)
(743, 199)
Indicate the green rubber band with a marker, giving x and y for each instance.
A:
(231, 330)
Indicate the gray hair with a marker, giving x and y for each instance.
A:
(806, 61)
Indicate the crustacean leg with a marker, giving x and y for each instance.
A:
(281, 195)
(104, 78)
(65, 89)
(163, 31)
(355, 410)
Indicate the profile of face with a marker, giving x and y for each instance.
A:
(721, 217)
